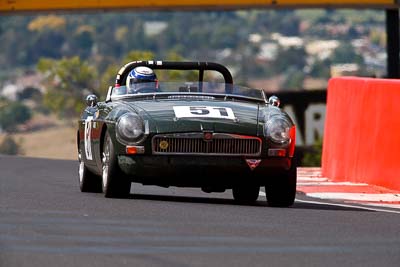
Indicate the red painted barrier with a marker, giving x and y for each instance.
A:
(362, 131)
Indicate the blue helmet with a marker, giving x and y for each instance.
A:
(139, 78)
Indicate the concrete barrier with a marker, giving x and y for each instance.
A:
(362, 131)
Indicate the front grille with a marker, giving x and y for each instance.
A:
(195, 144)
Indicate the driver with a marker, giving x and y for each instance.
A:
(141, 79)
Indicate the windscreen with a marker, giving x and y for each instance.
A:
(187, 88)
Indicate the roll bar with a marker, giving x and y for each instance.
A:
(175, 65)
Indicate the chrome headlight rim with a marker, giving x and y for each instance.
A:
(138, 134)
(278, 130)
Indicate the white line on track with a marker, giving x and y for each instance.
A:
(356, 196)
(347, 206)
(312, 179)
(261, 193)
(329, 183)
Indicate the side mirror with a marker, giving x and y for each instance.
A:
(91, 100)
(274, 101)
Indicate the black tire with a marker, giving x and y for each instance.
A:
(281, 191)
(246, 194)
(88, 181)
(115, 184)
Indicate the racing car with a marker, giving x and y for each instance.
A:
(207, 133)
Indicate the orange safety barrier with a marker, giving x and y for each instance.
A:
(362, 131)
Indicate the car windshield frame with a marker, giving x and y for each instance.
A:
(209, 90)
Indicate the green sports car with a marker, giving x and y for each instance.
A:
(213, 135)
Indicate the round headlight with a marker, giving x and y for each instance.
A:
(130, 128)
(278, 129)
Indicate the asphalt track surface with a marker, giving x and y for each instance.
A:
(46, 221)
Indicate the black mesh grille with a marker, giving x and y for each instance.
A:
(197, 146)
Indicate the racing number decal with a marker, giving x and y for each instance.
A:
(204, 112)
(199, 110)
(88, 139)
(224, 112)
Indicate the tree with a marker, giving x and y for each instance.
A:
(82, 41)
(43, 23)
(345, 53)
(107, 79)
(291, 57)
(312, 157)
(48, 38)
(29, 93)
(12, 114)
(68, 81)
(135, 55)
(177, 75)
(9, 146)
(109, 75)
(321, 69)
(294, 79)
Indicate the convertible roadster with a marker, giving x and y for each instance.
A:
(205, 134)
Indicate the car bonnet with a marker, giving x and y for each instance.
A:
(169, 116)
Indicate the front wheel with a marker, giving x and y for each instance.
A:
(115, 184)
(281, 191)
(246, 194)
(88, 181)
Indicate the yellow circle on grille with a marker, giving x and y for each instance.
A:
(164, 145)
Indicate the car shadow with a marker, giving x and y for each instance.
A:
(260, 202)
(326, 207)
(187, 199)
